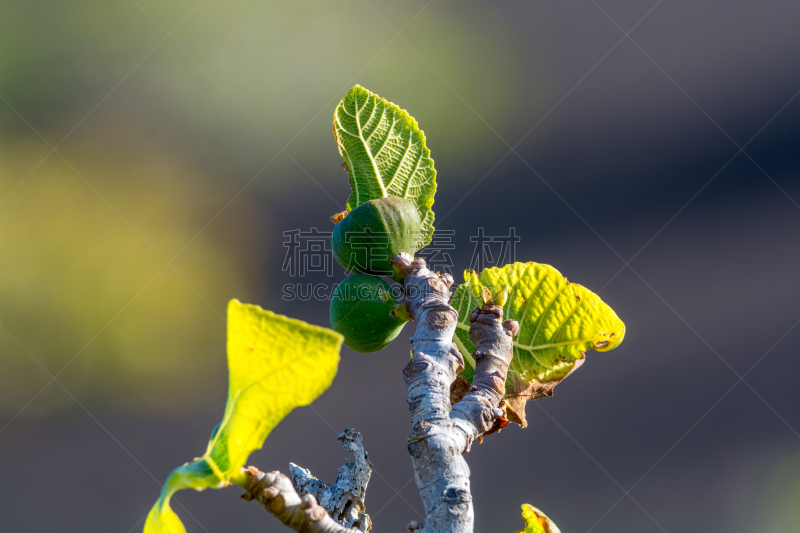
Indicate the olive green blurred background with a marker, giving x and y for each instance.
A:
(153, 153)
(183, 128)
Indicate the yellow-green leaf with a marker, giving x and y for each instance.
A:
(275, 364)
(384, 152)
(536, 521)
(558, 321)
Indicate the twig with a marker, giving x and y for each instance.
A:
(343, 500)
(275, 492)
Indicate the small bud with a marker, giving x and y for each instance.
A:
(338, 217)
(401, 311)
(473, 316)
(496, 412)
(486, 295)
(501, 297)
(447, 279)
(278, 503)
(511, 327)
(400, 265)
(309, 501)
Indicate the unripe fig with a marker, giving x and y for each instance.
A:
(374, 232)
(361, 310)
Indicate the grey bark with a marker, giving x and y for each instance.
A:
(275, 492)
(343, 500)
(440, 436)
(307, 504)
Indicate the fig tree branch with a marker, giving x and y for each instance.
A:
(275, 492)
(439, 437)
(440, 434)
(342, 502)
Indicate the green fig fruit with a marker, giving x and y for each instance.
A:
(374, 232)
(361, 310)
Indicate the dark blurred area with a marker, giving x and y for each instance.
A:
(153, 154)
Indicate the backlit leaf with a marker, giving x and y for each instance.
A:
(275, 364)
(536, 521)
(384, 152)
(558, 321)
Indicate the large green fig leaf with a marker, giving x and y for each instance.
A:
(384, 152)
(558, 321)
(536, 521)
(275, 364)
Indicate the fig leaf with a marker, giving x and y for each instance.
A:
(558, 322)
(536, 521)
(275, 364)
(384, 151)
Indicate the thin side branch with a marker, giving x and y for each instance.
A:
(481, 406)
(275, 492)
(343, 500)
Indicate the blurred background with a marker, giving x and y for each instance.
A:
(152, 155)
